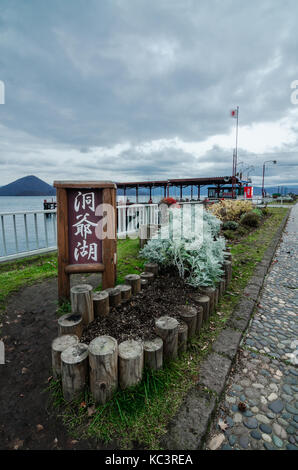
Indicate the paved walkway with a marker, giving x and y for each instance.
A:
(265, 377)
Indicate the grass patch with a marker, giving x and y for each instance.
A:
(27, 271)
(142, 413)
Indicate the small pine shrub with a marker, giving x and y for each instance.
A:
(230, 225)
(230, 234)
(265, 211)
(250, 219)
(242, 230)
(258, 212)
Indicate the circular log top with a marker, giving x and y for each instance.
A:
(63, 342)
(203, 298)
(188, 311)
(147, 276)
(113, 291)
(130, 349)
(100, 295)
(153, 344)
(102, 345)
(124, 287)
(70, 319)
(81, 289)
(132, 277)
(166, 323)
(149, 266)
(74, 354)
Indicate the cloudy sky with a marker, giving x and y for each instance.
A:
(131, 90)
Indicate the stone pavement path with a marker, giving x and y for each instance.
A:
(265, 376)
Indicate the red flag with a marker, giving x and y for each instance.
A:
(234, 113)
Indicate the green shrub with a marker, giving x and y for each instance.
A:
(265, 211)
(197, 256)
(230, 234)
(230, 225)
(242, 230)
(258, 211)
(251, 219)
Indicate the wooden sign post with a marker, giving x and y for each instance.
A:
(86, 231)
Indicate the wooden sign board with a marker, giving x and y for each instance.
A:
(86, 231)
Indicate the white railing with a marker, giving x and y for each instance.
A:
(29, 233)
(129, 218)
(26, 233)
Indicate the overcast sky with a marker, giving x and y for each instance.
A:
(131, 90)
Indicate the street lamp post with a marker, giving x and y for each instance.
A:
(263, 188)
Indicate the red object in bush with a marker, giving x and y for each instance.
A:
(168, 200)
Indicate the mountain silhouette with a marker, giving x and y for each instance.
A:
(28, 186)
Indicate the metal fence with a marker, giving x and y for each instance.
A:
(30, 233)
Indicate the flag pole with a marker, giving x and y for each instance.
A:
(236, 152)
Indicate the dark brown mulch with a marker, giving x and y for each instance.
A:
(29, 326)
(136, 318)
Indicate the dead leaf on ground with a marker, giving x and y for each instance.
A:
(91, 410)
(222, 425)
(17, 444)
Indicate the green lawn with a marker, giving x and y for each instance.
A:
(142, 413)
(17, 274)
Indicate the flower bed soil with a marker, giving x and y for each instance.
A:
(136, 318)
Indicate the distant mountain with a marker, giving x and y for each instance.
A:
(28, 186)
(276, 189)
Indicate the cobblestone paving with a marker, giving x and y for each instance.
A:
(266, 373)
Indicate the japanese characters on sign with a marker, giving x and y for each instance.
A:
(84, 246)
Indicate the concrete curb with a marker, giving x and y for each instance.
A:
(188, 429)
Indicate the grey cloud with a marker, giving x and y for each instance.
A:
(81, 75)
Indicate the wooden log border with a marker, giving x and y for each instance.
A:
(171, 337)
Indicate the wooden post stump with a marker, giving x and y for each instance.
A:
(204, 302)
(153, 353)
(125, 290)
(222, 285)
(144, 283)
(58, 346)
(114, 296)
(81, 298)
(227, 255)
(147, 276)
(182, 337)
(200, 314)
(101, 304)
(167, 328)
(103, 361)
(151, 268)
(74, 368)
(189, 315)
(70, 324)
(134, 280)
(209, 292)
(131, 363)
(227, 266)
(216, 299)
(201, 301)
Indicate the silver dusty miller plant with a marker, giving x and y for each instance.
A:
(196, 253)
